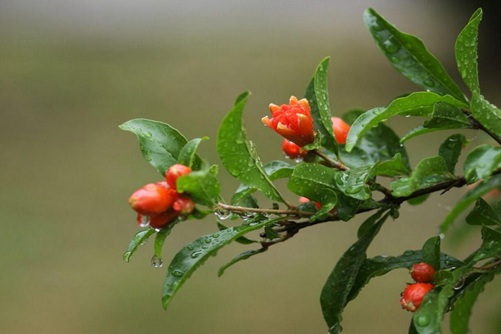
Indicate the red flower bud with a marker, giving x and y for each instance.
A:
(184, 205)
(153, 199)
(413, 295)
(292, 150)
(303, 200)
(175, 172)
(292, 121)
(164, 218)
(422, 272)
(341, 129)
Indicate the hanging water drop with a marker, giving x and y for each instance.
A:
(144, 221)
(222, 214)
(156, 261)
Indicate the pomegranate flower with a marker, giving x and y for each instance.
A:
(292, 121)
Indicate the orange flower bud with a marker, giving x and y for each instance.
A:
(341, 129)
(175, 172)
(164, 218)
(292, 150)
(292, 121)
(153, 199)
(184, 205)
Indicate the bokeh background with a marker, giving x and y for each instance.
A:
(72, 71)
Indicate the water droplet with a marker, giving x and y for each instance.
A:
(390, 46)
(144, 221)
(215, 235)
(429, 83)
(177, 273)
(298, 160)
(196, 254)
(156, 261)
(208, 240)
(441, 236)
(459, 284)
(422, 320)
(395, 60)
(222, 214)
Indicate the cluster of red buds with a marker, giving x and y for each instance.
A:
(158, 204)
(412, 297)
(294, 122)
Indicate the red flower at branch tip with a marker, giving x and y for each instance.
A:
(292, 121)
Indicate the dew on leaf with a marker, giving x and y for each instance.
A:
(422, 320)
(177, 273)
(196, 254)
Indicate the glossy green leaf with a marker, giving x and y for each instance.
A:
(483, 214)
(317, 94)
(241, 240)
(243, 256)
(188, 156)
(378, 144)
(486, 113)
(467, 52)
(431, 252)
(193, 255)
(354, 182)
(139, 239)
(451, 149)
(409, 56)
(239, 155)
(159, 142)
(482, 162)
(491, 244)
(275, 170)
(336, 290)
(460, 315)
(418, 104)
(471, 196)
(444, 117)
(159, 241)
(315, 182)
(202, 186)
(429, 172)
(393, 167)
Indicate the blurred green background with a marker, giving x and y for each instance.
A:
(71, 72)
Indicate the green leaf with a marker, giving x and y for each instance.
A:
(335, 292)
(486, 113)
(409, 56)
(193, 255)
(314, 182)
(188, 156)
(239, 155)
(483, 214)
(460, 315)
(471, 196)
(159, 241)
(482, 162)
(202, 186)
(275, 170)
(317, 95)
(393, 167)
(444, 117)
(451, 149)
(159, 142)
(467, 52)
(417, 104)
(491, 244)
(139, 239)
(431, 252)
(429, 172)
(241, 240)
(243, 256)
(354, 182)
(377, 144)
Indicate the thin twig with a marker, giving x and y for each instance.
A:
(333, 163)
